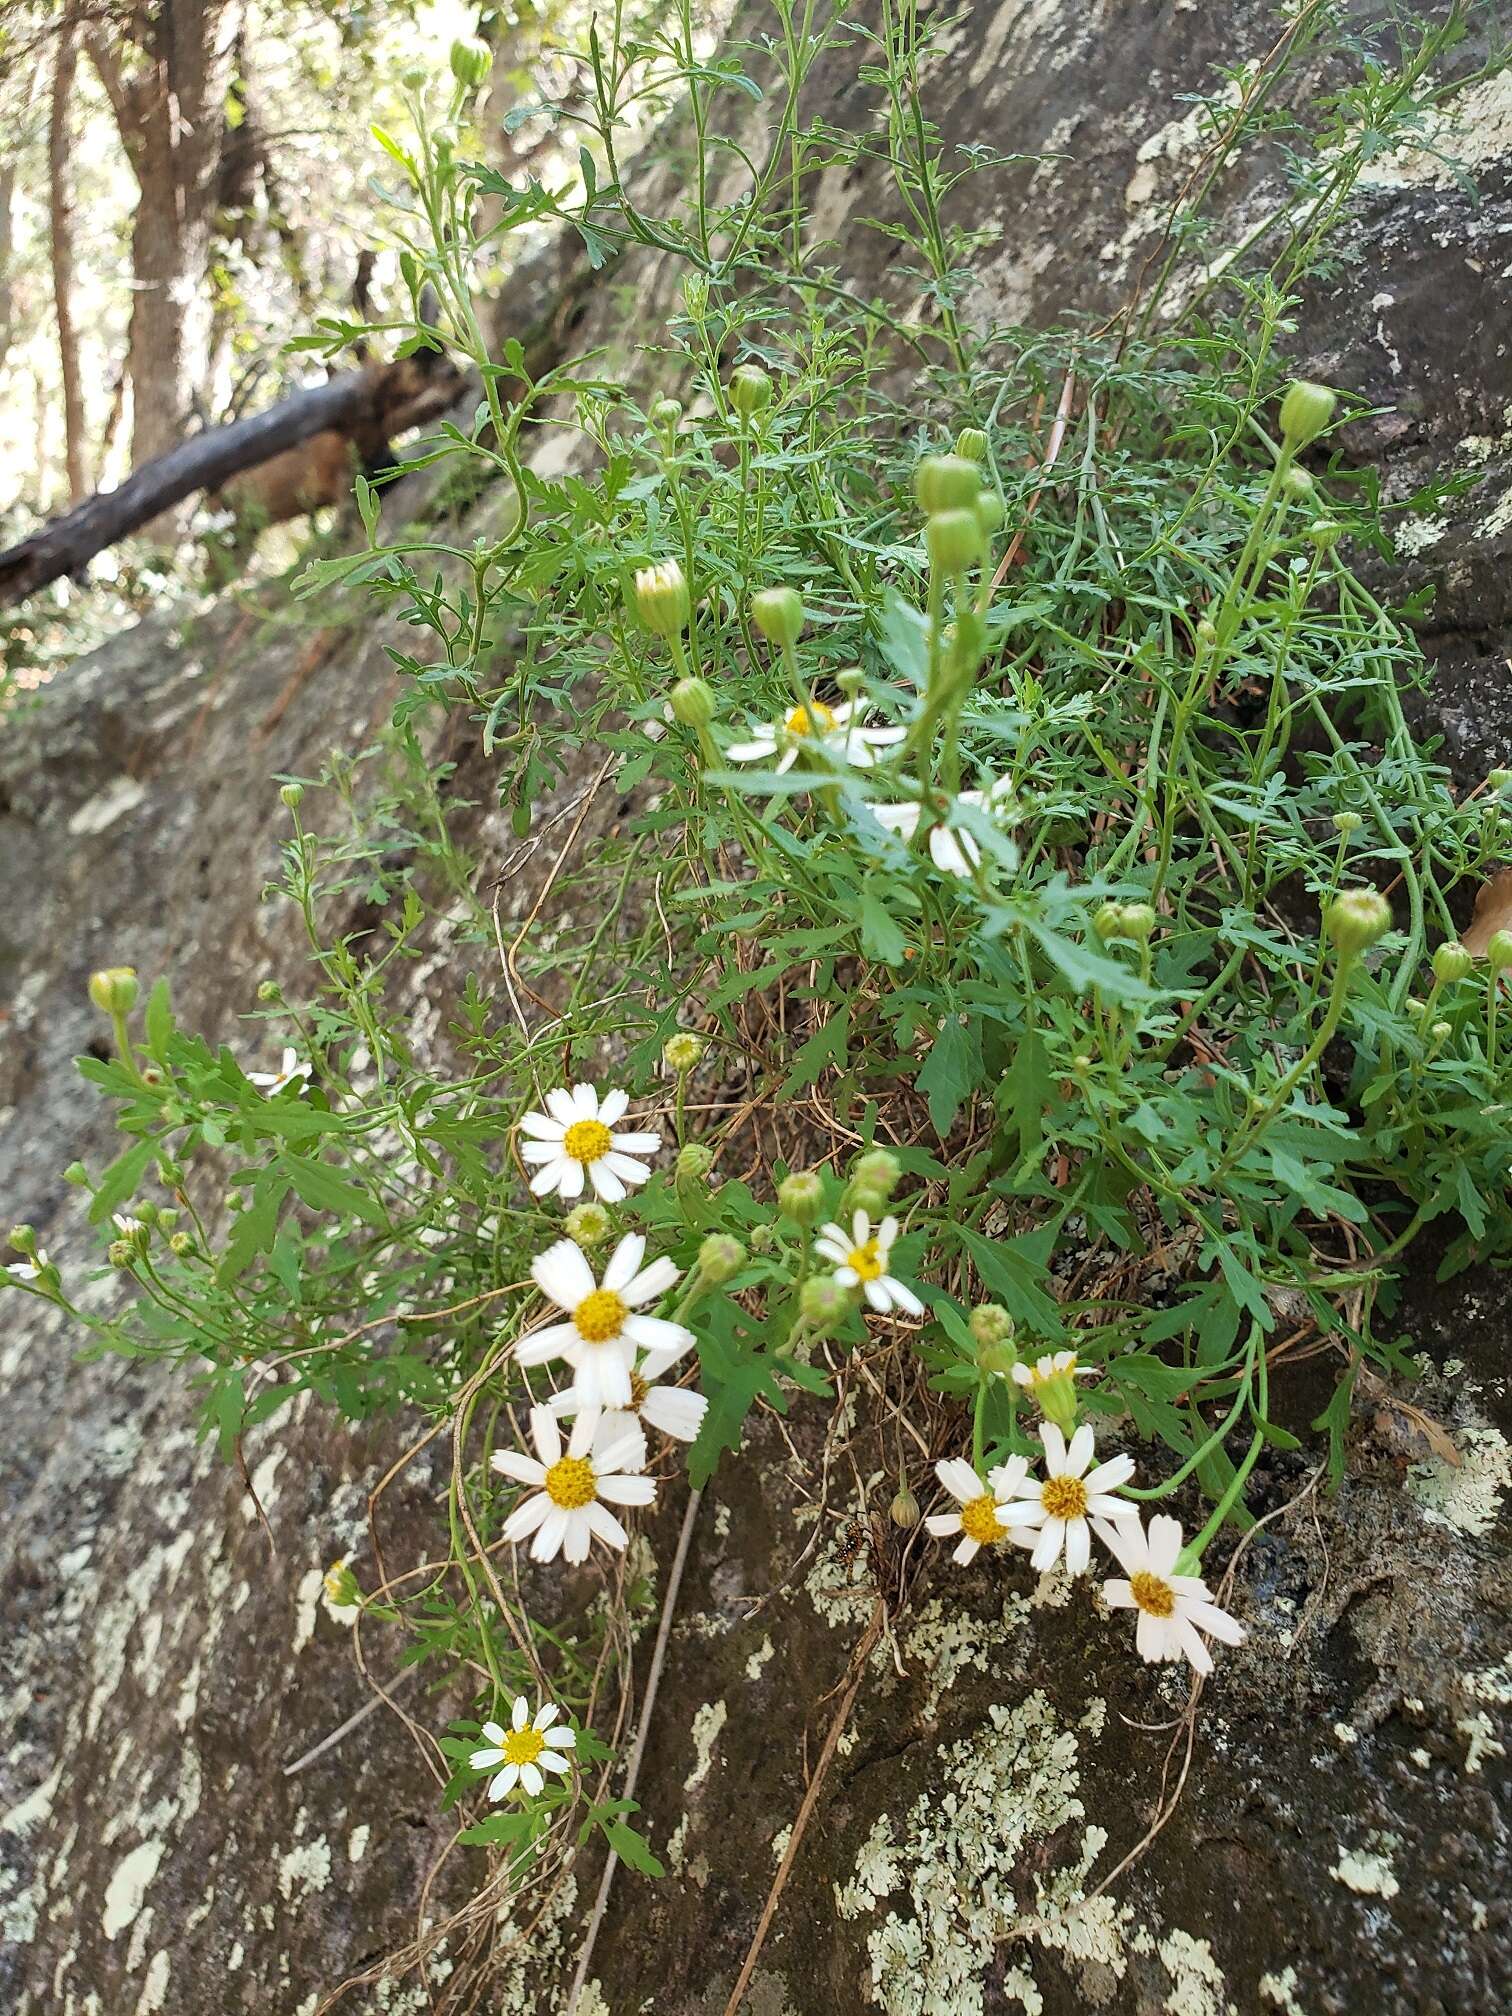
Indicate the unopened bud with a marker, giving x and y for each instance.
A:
(971, 445)
(1137, 921)
(666, 413)
(471, 60)
(990, 1323)
(588, 1224)
(720, 1258)
(415, 78)
(681, 1052)
(114, 989)
(946, 483)
(77, 1175)
(692, 703)
(801, 1196)
(23, 1239)
(954, 539)
(989, 512)
(1305, 412)
(1347, 822)
(1107, 921)
(1297, 485)
(661, 596)
(822, 1302)
(1440, 1032)
(904, 1510)
(750, 390)
(877, 1170)
(693, 1163)
(180, 1245)
(1499, 951)
(121, 1253)
(1452, 962)
(1499, 779)
(1355, 919)
(292, 795)
(1324, 533)
(269, 990)
(778, 615)
(850, 681)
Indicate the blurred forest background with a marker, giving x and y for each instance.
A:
(186, 186)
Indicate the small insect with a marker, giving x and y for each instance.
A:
(851, 1543)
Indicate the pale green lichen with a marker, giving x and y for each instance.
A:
(1481, 1740)
(950, 1859)
(1197, 1984)
(708, 1721)
(759, 1658)
(1367, 1869)
(1465, 1496)
(1282, 1990)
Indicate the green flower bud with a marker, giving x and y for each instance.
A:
(169, 1174)
(661, 595)
(77, 1175)
(904, 1510)
(471, 61)
(588, 1224)
(1324, 533)
(180, 1245)
(121, 1253)
(850, 681)
(164, 1216)
(801, 1197)
(1297, 485)
(1207, 633)
(292, 795)
(971, 445)
(1355, 919)
(682, 1051)
(269, 990)
(666, 413)
(693, 1164)
(114, 989)
(23, 1239)
(877, 1170)
(750, 390)
(954, 540)
(692, 703)
(763, 1238)
(862, 1197)
(778, 615)
(1305, 412)
(1137, 921)
(1441, 1032)
(1107, 921)
(1452, 962)
(1499, 951)
(989, 511)
(1347, 822)
(946, 483)
(1499, 779)
(990, 1323)
(720, 1258)
(822, 1302)
(414, 78)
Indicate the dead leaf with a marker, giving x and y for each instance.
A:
(1493, 912)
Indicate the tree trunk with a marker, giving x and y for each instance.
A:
(60, 211)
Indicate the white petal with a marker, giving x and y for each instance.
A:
(1152, 1638)
(505, 1783)
(562, 1273)
(484, 1760)
(546, 1435)
(1055, 1449)
(651, 1283)
(642, 1143)
(540, 1151)
(540, 1128)
(613, 1106)
(571, 1184)
(655, 1333)
(531, 1779)
(627, 1490)
(949, 851)
(1165, 1544)
(526, 1517)
(604, 1526)
(553, 1760)
(606, 1184)
(585, 1431)
(539, 1347)
(876, 1296)
(578, 1537)
(1052, 1539)
(1101, 1506)
(832, 1249)
(861, 1227)
(619, 1445)
(494, 1731)
(905, 1298)
(520, 1714)
(562, 1738)
(1208, 1617)
(675, 1412)
(1080, 1454)
(1108, 1476)
(967, 1551)
(523, 1469)
(902, 820)
(546, 1182)
(624, 1262)
(545, 1715)
(1118, 1595)
(562, 1107)
(585, 1099)
(941, 1523)
(1190, 1642)
(1078, 1547)
(959, 1479)
(659, 1358)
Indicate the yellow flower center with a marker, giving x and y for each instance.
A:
(1064, 1497)
(523, 1746)
(600, 1316)
(639, 1388)
(979, 1520)
(1154, 1595)
(804, 720)
(587, 1140)
(571, 1483)
(867, 1261)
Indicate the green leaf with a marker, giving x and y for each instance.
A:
(1013, 1271)
(632, 1848)
(120, 1180)
(255, 1228)
(826, 1046)
(880, 936)
(323, 1190)
(951, 1071)
(159, 1021)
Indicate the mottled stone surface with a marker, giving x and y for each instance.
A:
(1341, 1841)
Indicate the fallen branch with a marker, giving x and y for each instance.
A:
(66, 544)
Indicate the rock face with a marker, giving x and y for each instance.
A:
(1340, 1838)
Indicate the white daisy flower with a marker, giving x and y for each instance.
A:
(983, 1515)
(529, 1746)
(1059, 1507)
(673, 1409)
(860, 1261)
(953, 852)
(290, 1068)
(835, 730)
(570, 1505)
(604, 1327)
(26, 1270)
(574, 1140)
(1173, 1609)
(1055, 1370)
